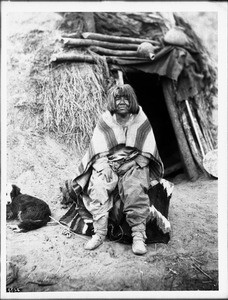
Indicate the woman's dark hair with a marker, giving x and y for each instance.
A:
(122, 90)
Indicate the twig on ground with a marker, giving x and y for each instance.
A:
(98, 271)
(199, 269)
(200, 262)
(67, 270)
(33, 268)
(141, 278)
(61, 261)
(85, 238)
(42, 283)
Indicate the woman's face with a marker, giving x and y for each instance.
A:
(122, 104)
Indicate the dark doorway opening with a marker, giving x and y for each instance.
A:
(149, 92)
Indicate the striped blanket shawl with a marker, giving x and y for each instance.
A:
(78, 220)
(108, 135)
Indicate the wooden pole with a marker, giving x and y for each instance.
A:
(120, 77)
(72, 57)
(106, 51)
(194, 148)
(184, 149)
(87, 42)
(118, 39)
(194, 127)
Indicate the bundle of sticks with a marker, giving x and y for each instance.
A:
(110, 46)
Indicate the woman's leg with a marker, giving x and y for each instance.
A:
(133, 187)
(99, 205)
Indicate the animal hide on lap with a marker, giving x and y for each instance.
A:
(158, 228)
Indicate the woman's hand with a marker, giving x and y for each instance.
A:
(125, 167)
(107, 172)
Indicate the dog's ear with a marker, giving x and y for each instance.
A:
(15, 191)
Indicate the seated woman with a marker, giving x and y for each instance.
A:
(123, 153)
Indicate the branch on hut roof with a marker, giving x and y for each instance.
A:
(88, 42)
(64, 57)
(119, 39)
(106, 51)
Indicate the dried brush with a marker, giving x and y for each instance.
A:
(74, 99)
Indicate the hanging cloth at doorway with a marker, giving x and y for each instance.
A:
(173, 62)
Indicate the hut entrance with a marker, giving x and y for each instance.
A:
(149, 92)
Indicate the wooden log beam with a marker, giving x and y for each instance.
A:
(72, 57)
(184, 149)
(118, 39)
(66, 57)
(88, 42)
(90, 59)
(115, 67)
(106, 51)
(192, 144)
(131, 58)
(71, 35)
(200, 138)
(206, 134)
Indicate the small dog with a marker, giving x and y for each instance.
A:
(32, 212)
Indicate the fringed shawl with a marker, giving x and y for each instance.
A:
(108, 134)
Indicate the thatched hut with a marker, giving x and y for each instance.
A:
(160, 56)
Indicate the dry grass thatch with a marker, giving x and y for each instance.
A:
(28, 57)
(65, 100)
(74, 98)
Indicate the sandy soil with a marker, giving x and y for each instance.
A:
(48, 260)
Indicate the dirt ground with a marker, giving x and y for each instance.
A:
(48, 260)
